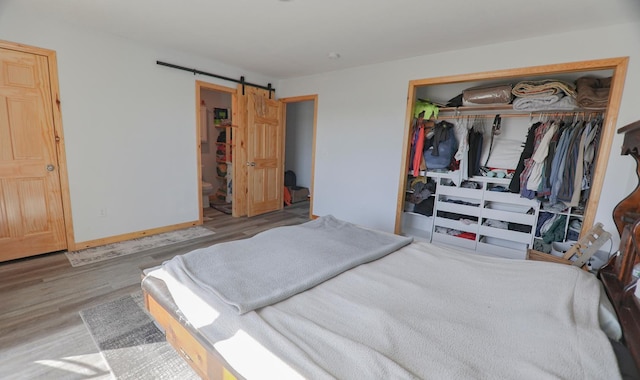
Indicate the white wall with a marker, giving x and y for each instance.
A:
(129, 124)
(361, 116)
(299, 141)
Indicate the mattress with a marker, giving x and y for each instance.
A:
(420, 312)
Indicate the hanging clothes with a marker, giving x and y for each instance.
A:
(528, 163)
(590, 150)
(553, 144)
(421, 131)
(475, 138)
(571, 167)
(559, 160)
(461, 130)
(538, 158)
(527, 152)
(418, 146)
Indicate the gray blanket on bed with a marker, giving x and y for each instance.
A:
(281, 262)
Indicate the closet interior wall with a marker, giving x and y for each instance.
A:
(473, 207)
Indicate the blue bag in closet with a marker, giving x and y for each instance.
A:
(440, 148)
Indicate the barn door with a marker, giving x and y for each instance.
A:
(31, 213)
(265, 153)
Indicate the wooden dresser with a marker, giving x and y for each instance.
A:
(616, 275)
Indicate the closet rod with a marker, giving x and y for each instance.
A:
(536, 114)
(241, 80)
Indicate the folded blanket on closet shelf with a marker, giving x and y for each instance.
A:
(542, 103)
(593, 93)
(543, 87)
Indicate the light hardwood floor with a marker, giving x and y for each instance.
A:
(41, 333)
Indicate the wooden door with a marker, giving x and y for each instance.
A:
(31, 213)
(265, 153)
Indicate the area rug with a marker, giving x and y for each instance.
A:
(225, 208)
(109, 251)
(131, 344)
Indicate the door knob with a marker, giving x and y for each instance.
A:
(50, 168)
(251, 164)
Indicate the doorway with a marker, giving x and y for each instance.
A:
(215, 153)
(303, 119)
(300, 132)
(35, 212)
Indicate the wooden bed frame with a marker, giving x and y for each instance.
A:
(615, 276)
(210, 365)
(207, 363)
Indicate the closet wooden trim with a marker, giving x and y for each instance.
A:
(201, 85)
(303, 98)
(619, 67)
(559, 68)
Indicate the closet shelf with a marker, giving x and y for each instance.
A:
(564, 212)
(506, 110)
(422, 173)
(500, 107)
(456, 174)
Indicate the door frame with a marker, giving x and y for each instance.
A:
(619, 67)
(297, 99)
(201, 85)
(58, 131)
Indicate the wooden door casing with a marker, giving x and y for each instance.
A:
(31, 210)
(239, 168)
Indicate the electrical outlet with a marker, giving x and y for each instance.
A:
(102, 212)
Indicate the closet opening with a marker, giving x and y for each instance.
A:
(474, 195)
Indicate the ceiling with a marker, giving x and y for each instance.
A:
(285, 39)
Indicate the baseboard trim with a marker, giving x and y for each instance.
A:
(133, 235)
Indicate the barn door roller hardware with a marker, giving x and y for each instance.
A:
(241, 80)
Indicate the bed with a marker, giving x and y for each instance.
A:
(328, 299)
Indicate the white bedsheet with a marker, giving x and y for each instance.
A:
(421, 312)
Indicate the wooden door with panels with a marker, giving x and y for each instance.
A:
(261, 146)
(31, 209)
(265, 154)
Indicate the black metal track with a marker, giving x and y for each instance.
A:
(241, 80)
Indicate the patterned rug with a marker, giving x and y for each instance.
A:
(225, 208)
(132, 345)
(110, 251)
